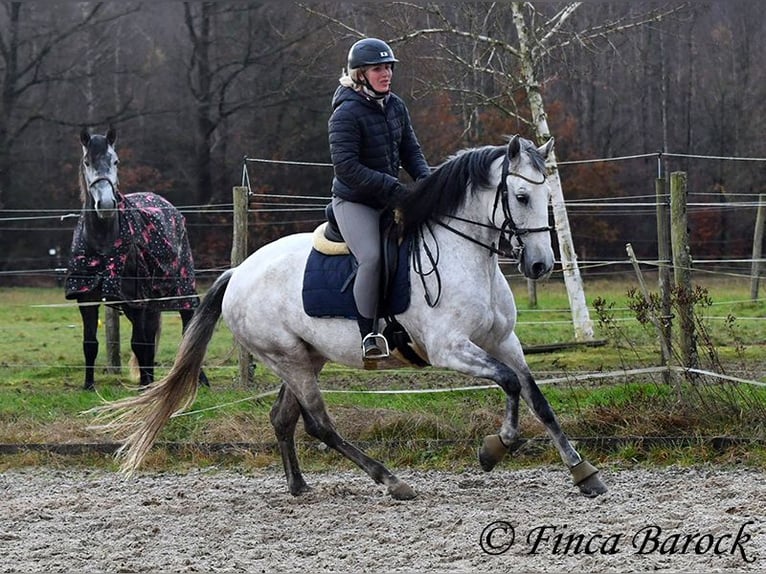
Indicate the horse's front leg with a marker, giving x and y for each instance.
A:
(470, 359)
(89, 314)
(584, 475)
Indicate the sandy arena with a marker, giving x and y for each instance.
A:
(670, 520)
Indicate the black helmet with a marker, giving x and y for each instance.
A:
(370, 52)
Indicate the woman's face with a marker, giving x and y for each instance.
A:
(379, 77)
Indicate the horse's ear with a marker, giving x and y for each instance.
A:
(514, 146)
(111, 135)
(84, 137)
(546, 148)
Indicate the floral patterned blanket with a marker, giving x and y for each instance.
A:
(149, 263)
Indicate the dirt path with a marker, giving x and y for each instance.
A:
(222, 521)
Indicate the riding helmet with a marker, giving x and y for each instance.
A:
(370, 52)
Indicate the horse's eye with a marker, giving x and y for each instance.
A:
(86, 163)
(522, 198)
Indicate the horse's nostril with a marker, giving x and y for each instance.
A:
(538, 269)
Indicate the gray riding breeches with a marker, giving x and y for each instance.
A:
(360, 226)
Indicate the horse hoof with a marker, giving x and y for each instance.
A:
(298, 486)
(298, 489)
(592, 486)
(585, 477)
(491, 452)
(401, 491)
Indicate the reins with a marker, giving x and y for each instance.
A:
(508, 228)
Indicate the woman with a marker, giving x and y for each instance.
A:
(371, 136)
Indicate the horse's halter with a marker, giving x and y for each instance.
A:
(111, 179)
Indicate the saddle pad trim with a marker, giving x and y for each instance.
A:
(325, 246)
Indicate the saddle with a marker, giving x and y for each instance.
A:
(331, 270)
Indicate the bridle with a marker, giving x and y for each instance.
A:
(508, 229)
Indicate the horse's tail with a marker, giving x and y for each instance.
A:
(138, 420)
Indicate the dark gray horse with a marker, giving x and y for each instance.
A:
(130, 250)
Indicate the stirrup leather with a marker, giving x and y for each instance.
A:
(380, 342)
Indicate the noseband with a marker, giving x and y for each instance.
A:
(106, 179)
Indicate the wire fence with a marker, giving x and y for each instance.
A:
(274, 203)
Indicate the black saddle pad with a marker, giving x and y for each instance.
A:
(328, 285)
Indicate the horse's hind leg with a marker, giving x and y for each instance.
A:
(145, 324)
(299, 373)
(186, 316)
(284, 418)
(319, 425)
(89, 314)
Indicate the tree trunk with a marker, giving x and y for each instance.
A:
(583, 326)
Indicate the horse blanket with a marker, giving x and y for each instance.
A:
(328, 285)
(149, 259)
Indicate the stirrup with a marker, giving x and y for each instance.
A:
(380, 345)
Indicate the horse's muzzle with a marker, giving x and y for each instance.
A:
(535, 265)
(104, 200)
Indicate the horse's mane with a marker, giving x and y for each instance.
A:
(445, 189)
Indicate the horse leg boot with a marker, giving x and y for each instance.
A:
(496, 446)
(284, 418)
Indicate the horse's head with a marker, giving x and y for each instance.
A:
(523, 195)
(98, 173)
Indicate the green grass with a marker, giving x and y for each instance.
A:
(41, 400)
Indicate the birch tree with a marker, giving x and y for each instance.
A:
(514, 55)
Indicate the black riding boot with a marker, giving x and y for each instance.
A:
(371, 340)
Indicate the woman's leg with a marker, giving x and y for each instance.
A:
(360, 226)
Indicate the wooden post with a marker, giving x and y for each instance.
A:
(238, 254)
(664, 277)
(112, 336)
(682, 267)
(532, 293)
(760, 222)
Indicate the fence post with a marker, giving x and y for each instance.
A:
(760, 222)
(663, 276)
(238, 254)
(682, 266)
(112, 336)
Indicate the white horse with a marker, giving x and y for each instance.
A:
(461, 316)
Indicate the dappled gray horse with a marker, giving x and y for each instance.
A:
(130, 251)
(461, 315)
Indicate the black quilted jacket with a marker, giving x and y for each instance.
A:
(368, 145)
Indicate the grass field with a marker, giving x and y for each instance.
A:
(624, 419)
